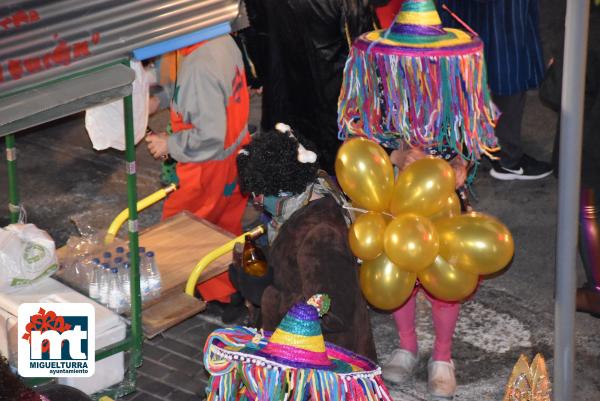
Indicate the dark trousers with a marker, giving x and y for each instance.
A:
(508, 128)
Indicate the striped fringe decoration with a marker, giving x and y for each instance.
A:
(237, 376)
(426, 101)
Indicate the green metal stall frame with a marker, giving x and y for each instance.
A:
(51, 108)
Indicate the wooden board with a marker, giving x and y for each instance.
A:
(171, 311)
(179, 243)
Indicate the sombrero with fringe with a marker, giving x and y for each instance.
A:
(291, 363)
(419, 83)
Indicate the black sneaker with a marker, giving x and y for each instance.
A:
(527, 169)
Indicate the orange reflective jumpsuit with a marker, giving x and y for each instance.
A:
(209, 117)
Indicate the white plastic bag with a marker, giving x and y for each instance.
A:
(27, 255)
(105, 124)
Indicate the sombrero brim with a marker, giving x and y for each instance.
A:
(454, 42)
(428, 91)
(247, 345)
(240, 369)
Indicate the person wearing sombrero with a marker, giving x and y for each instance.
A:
(308, 248)
(419, 89)
(292, 363)
(419, 84)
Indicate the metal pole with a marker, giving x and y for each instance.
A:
(136, 299)
(571, 124)
(13, 190)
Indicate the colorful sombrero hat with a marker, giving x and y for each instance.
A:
(289, 364)
(419, 83)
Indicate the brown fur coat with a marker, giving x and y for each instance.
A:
(311, 255)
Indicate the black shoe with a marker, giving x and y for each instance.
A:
(527, 169)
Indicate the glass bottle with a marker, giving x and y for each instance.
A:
(254, 262)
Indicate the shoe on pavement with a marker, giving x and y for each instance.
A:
(440, 379)
(528, 168)
(588, 301)
(400, 367)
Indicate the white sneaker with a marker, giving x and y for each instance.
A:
(399, 367)
(441, 381)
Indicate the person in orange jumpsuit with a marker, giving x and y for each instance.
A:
(209, 124)
(209, 107)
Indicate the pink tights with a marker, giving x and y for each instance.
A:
(444, 321)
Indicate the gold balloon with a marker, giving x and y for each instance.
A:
(475, 242)
(365, 173)
(447, 282)
(423, 187)
(384, 284)
(366, 235)
(450, 208)
(411, 242)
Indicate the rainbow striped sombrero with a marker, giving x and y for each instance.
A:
(419, 83)
(289, 364)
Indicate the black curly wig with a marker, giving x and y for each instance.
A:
(269, 165)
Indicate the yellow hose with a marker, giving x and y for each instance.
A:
(217, 253)
(141, 205)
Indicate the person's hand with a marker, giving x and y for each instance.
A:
(153, 104)
(157, 144)
(251, 287)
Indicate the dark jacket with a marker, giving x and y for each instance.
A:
(311, 255)
(309, 44)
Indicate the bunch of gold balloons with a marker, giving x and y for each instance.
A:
(413, 228)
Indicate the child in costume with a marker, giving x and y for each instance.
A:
(209, 123)
(308, 235)
(421, 86)
(400, 366)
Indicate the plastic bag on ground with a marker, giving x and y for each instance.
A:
(27, 255)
